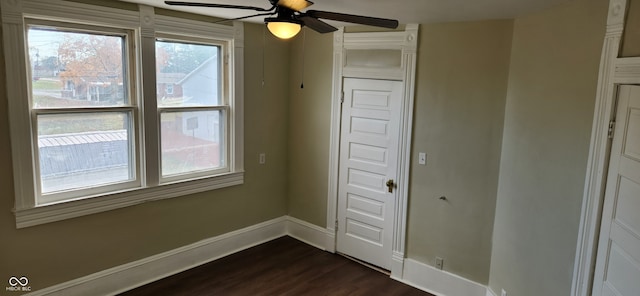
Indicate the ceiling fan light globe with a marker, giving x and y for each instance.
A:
(284, 30)
(296, 5)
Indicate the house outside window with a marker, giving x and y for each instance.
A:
(192, 125)
(106, 131)
(86, 136)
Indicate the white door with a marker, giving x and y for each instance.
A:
(368, 162)
(618, 260)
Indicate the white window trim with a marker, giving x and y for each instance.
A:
(145, 23)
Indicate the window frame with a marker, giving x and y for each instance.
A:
(223, 106)
(144, 25)
(131, 108)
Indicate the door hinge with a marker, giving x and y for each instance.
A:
(342, 97)
(336, 225)
(612, 128)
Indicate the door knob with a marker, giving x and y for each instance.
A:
(391, 185)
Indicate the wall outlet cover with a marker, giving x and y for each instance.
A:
(439, 262)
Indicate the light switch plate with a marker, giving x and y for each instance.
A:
(422, 158)
(263, 158)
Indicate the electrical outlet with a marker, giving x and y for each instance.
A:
(439, 262)
(263, 158)
(504, 293)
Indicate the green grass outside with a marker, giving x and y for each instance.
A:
(67, 124)
(46, 84)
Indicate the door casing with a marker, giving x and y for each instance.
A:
(614, 71)
(397, 53)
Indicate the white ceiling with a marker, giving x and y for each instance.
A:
(406, 11)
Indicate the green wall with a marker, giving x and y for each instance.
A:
(550, 100)
(56, 252)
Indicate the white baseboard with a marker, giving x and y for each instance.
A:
(490, 292)
(397, 266)
(438, 282)
(134, 274)
(311, 234)
(411, 272)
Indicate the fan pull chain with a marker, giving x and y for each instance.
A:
(264, 48)
(304, 35)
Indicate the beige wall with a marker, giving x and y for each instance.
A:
(550, 101)
(458, 115)
(61, 251)
(310, 120)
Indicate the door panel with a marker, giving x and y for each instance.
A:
(618, 259)
(366, 153)
(368, 159)
(365, 206)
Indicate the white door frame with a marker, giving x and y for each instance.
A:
(387, 44)
(613, 72)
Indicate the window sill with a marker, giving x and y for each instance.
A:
(61, 211)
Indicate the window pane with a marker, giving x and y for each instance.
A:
(187, 74)
(192, 141)
(84, 150)
(71, 69)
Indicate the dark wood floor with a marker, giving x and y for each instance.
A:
(283, 266)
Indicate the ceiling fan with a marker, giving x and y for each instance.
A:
(289, 17)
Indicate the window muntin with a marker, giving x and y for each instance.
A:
(82, 111)
(193, 116)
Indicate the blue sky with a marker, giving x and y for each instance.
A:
(46, 42)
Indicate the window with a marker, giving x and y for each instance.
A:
(107, 131)
(83, 110)
(192, 124)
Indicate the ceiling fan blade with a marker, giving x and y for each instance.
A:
(356, 19)
(244, 17)
(295, 5)
(196, 4)
(316, 24)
